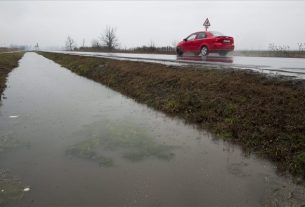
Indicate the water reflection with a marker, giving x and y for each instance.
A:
(224, 59)
(119, 139)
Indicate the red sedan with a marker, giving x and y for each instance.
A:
(203, 43)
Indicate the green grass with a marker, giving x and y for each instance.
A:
(11, 187)
(125, 139)
(8, 61)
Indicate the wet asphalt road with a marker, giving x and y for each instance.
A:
(292, 67)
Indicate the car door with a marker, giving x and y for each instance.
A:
(199, 40)
(189, 42)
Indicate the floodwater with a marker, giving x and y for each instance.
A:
(88, 145)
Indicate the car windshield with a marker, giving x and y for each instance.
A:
(191, 37)
(217, 34)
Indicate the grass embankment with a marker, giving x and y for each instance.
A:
(8, 61)
(5, 49)
(264, 115)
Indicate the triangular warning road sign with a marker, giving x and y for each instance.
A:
(207, 22)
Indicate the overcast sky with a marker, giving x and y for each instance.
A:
(253, 24)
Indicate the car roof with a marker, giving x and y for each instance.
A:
(208, 32)
(200, 32)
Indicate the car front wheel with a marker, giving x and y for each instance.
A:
(204, 51)
(179, 52)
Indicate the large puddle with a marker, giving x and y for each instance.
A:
(82, 144)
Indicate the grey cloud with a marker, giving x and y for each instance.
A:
(254, 24)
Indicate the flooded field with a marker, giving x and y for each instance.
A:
(68, 141)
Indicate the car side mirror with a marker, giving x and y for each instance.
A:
(184, 39)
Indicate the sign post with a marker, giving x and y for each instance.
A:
(206, 24)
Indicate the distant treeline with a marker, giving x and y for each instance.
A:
(275, 50)
(5, 49)
(143, 49)
(172, 50)
(270, 53)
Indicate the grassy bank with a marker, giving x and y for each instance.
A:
(263, 115)
(8, 61)
(5, 49)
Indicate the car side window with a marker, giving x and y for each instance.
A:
(191, 37)
(201, 35)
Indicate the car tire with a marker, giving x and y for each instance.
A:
(204, 51)
(179, 52)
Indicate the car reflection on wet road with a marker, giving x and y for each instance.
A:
(227, 59)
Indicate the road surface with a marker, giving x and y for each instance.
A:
(292, 67)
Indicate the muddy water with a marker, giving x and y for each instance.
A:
(90, 146)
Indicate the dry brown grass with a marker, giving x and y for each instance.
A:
(8, 61)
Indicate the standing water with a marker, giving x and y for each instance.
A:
(80, 143)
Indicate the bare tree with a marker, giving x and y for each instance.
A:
(109, 38)
(272, 47)
(36, 47)
(95, 43)
(83, 42)
(301, 46)
(70, 43)
(278, 48)
(174, 43)
(152, 46)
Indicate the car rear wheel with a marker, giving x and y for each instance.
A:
(179, 52)
(204, 51)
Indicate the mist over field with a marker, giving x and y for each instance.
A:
(253, 24)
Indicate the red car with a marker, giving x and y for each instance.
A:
(203, 43)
